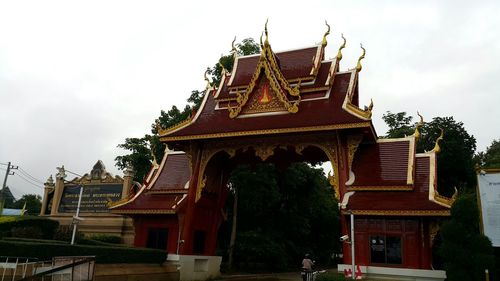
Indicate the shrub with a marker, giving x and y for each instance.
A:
(113, 239)
(103, 254)
(46, 227)
(27, 232)
(65, 233)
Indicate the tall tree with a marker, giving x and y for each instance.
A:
(465, 252)
(456, 160)
(491, 157)
(139, 157)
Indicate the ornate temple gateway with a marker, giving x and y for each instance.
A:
(295, 106)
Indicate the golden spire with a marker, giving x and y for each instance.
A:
(261, 45)
(324, 43)
(437, 148)
(233, 48)
(418, 125)
(358, 66)
(265, 31)
(339, 54)
(206, 77)
(370, 107)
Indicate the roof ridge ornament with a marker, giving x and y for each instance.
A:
(339, 53)
(233, 48)
(324, 42)
(205, 77)
(418, 126)
(358, 66)
(437, 148)
(267, 35)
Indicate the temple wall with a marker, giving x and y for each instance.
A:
(391, 242)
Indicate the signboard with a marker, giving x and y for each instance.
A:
(489, 194)
(95, 198)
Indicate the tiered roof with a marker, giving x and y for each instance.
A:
(272, 93)
(389, 178)
(164, 190)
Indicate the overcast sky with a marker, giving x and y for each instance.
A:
(77, 78)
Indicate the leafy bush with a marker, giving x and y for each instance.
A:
(112, 239)
(465, 252)
(104, 254)
(27, 232)
(65, 233)
(35, 240)
(46, 227)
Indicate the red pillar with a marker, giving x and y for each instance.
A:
(187, 230)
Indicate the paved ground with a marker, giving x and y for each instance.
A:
(282, 276)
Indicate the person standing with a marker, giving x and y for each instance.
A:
(307, 265)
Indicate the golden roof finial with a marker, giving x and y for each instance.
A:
(261, 45)
(358, 66)
(265, 31)
(339, 54)
(418, 125)
(233, 48)
(370, 107)
(324, 43)
(206, 77)
(437, 148)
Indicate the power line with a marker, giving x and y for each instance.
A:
(26, 180)
(5, 164)
(29, 176)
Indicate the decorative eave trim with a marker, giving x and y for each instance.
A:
(175, 128)
(268, 131)
(349, 106)
(431, 213)
(146, 212)
(380, 188)
(434, 195)
(317, 60)
(166, 191)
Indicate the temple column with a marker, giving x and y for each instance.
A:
(48, 186)
(58, 190)
(186, 248)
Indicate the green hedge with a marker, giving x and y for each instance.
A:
(28, 227)
(45, 251)
(331, 276)
(107, 238)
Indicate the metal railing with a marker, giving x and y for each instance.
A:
(79, 268)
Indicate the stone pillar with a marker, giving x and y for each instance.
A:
(58, 190)
(49, 186)
(128, 180)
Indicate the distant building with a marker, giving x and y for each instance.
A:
(100, 189)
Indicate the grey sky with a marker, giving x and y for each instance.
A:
(77, 78)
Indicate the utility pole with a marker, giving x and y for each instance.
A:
(2, 192)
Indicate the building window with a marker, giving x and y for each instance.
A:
(385, 249)
(157, 238)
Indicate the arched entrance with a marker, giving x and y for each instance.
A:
(297, 106)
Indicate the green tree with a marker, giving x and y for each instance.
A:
(33, 204)
(399, 124)
(281, 215)
(456, 159)
(466, 253)
(491, 157)
(139, 158)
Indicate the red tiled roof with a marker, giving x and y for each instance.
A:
(293, 64)
(382, 164)
(415, 200)
(313, 113)
(165, 191)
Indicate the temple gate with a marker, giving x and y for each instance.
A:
(294, 106)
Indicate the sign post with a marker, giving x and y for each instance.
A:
(77, 219)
